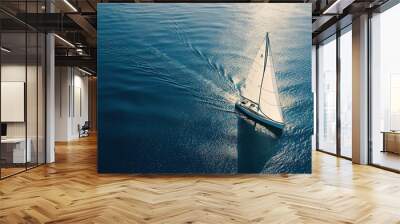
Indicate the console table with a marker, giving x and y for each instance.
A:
(13, 150)
(391, 141)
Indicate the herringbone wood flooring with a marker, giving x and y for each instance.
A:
(71, 191)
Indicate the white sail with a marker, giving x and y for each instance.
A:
(254, 77)
(269, 103)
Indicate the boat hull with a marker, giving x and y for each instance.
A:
(263, 120)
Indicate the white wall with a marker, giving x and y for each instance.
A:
(62, 82)
(14, 72)
(33, 127)
(17, 73)
(70, 83)
(80, 109)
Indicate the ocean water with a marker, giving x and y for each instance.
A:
(170, 74)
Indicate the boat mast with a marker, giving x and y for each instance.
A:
(265, 64)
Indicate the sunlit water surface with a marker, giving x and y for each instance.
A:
(170, 74)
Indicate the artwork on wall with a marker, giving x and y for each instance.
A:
(204, 88)
(13, 99)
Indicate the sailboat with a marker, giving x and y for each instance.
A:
(260, 96)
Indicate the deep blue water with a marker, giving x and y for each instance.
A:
(170, 74)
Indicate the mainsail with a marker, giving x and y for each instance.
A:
(255, 75)
(261, 85)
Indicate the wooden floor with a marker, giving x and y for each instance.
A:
(5, 172)
(386, 159)
(71, 191)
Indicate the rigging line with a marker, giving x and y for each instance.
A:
(278, 105)
(265, 64)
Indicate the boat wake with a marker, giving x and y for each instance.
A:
(213, 95)
(222, 75)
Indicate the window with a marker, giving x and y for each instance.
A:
(22, 101)
(385, 89)
(346, 92)
(327, 95)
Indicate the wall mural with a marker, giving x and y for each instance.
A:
(204, 88)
